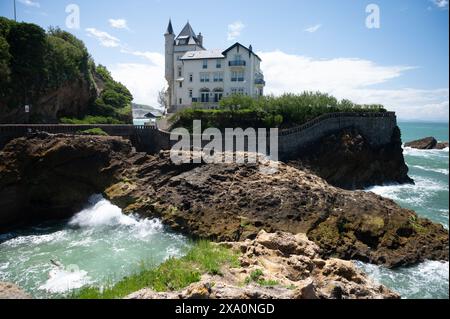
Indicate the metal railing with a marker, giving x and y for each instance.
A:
(237, 63)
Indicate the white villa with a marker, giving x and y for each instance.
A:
(197, 75)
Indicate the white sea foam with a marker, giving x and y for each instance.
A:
(61, 280)
(429, 169)
(35, 240)
(425, 153)
(103, 213)
(426, 280)
(414, 194)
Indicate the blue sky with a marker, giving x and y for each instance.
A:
(305, 45)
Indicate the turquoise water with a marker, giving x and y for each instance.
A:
(429, 197)
(98, 246)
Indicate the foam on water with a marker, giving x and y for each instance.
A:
(99, 245)
(429, 198)
(61, 280)
(426, 280)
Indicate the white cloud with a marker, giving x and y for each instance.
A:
(118, 24)
(154, 57)
(234, 30)
(443, 4)
(143, 80)
(352, 79)
(313, 28)
(30, 3)
(104, 38)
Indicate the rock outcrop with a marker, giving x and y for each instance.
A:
(347, 160)
(11, 291)
(70, 100)
(51, 176)
(427, 143)
(280, 266)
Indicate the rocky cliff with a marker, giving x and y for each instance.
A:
(45, 176)
(346, 159)
(70, 100)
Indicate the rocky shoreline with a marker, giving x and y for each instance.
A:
(280, 266)
(46, 177)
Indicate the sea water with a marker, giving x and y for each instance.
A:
(429, 197)
(98, 246)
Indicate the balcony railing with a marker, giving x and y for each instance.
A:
(260, 82)
(237, 63)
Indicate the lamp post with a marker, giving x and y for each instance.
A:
(15, 12)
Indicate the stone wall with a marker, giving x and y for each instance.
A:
(376, 127)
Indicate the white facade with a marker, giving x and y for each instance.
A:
(200, 76)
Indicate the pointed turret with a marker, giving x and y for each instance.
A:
(169, 27)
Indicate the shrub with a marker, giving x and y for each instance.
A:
(93, 131)
(284, 111)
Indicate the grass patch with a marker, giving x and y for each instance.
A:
(257, 276)
(174, 274)
(93, 131)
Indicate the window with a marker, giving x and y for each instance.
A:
(181, 84)
(190, 93)
(181, 101)
(237, 57)
(218, 94)
(237, 76)
(204, 95)
(205, 64)
(180, 71)
(191, 77)
(238, 91)
(218, 64)
(218, 77)
(204, 77)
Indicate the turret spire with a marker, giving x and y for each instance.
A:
(169, 27)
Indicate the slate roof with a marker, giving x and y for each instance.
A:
(203, 54)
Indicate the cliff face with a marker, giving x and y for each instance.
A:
(70, 100)
(51, 176)
(347, 160)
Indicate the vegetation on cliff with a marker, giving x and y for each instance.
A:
(174, 274)
(35, 64)
(286, 111)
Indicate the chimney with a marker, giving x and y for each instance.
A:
(200, 38)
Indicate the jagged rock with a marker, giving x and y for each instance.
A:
(51, 176)
(11, 291)
(347, 160)
(427, 143)
(287, 263)
(441, 145)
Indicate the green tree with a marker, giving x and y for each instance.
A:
(27, 48)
